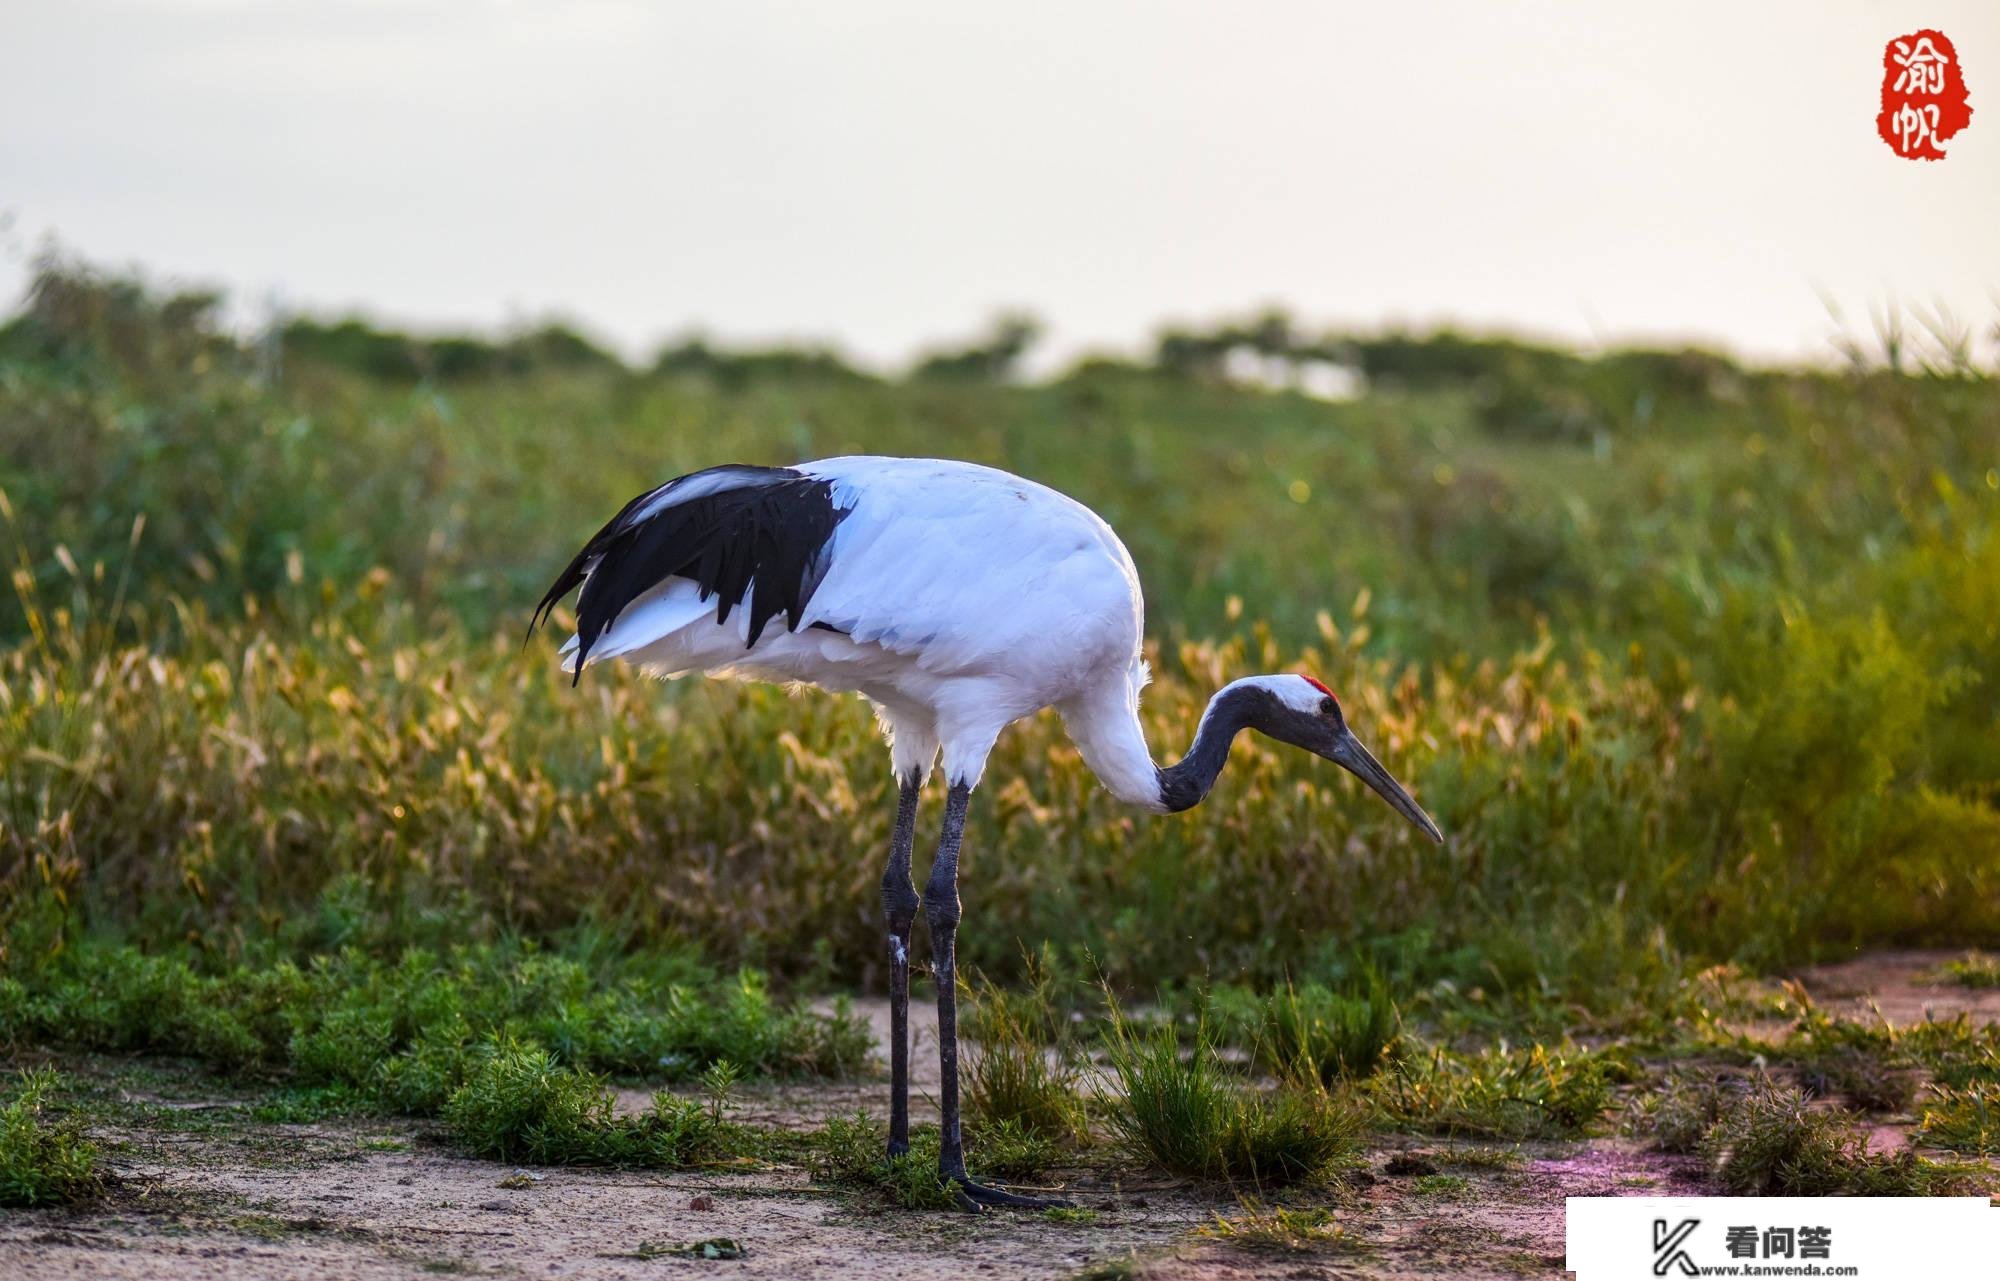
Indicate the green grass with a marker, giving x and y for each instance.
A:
(1021, 1068)
(1182, 1112)
(1774, 1143)
(1541, 1092)
(44, 1160)
(1607, 614)
(1695, 664)
(1974, 969)
(1276, 1228)
(519, 1104)
(1315, 1032)
(507, 1043)
(1962, 1118)
(850, 1151)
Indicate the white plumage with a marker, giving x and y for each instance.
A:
(957, 599)
(960, 599)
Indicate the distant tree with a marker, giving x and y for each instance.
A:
(994, 359)
(694, 357)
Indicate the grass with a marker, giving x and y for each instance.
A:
(1974, 969)
(1678, 1115)
(1282, 1229)
(1775, 1143)
(1694, 663)
(850, 1151)
(1021, 1070)
(1962, 1118)
(44, 1160)
(1184, 1114)
(1316, 1032)
(1540, 1092)
(519, 1104)
(1636, 668)
(507, 1043)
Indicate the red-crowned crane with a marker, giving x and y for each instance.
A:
(957, 599)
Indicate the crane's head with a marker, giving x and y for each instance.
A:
(1301, 711)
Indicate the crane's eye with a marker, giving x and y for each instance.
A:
(1327, 707)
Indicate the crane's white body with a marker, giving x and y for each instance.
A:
(957, 599)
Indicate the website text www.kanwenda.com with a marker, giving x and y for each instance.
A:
(1777, 1270)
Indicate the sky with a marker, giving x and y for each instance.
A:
(884, 175)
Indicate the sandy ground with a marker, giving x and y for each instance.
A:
(379, 1200)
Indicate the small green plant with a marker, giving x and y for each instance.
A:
(1974, 969)
(1317, 1032)
(718, 1084)
(850, 1151)
(1441, 1185)
(1010, 1150)
(1020, 1066)
(1962, 1118)
(1541, 1092)
(1070, 1214)
(1262, 1227)
(1774, 1143)
(43, 1161)
(1180, 1112)
(1678, 1115)
(1123, 1267)
(520, 1105)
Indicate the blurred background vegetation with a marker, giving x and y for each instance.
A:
(1694, 662)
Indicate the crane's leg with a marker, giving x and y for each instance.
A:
(899, 906)
(941, 909)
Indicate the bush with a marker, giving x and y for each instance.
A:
(43, 1162)
(519, 1104)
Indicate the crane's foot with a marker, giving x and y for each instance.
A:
(975, 1198)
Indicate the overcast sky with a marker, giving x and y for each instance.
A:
(882, 173)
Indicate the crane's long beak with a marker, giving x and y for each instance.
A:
(1348, 753)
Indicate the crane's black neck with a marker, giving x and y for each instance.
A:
(1184, 783)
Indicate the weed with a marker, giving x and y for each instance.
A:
(1773, 1143)
(1678, 1115)
(519, 1104)
(1500, 1093)
(1441, 1185)
(1181, 1113)
(849, 1151)
(43, 1161)
(1263, 1227)
(1125, 1267)
(1317, 1032)
(1974, 969)
(1010, 1150)
(1070, 1214)
(1962, 1118)
(1020, 1068)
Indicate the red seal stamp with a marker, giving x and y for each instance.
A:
(1924, 100)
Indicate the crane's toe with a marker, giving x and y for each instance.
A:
(975, 1198)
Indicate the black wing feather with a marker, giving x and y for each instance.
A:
(767, 535)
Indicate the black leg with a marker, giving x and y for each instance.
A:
(941, 909)
(899, 908)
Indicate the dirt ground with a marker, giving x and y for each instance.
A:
(375, 1199)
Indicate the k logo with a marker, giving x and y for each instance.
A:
(1667, 1247)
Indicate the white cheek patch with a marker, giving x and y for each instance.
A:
(1295, 692)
